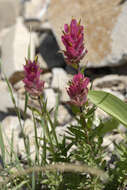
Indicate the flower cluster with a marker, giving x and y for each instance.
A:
(33, 85)
(78, 90)
(72, 38)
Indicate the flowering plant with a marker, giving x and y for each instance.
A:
(73, 39)
(32, 81)
(78, 159)
(78, 90)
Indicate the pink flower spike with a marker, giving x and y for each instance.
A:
(66, 28)
(33, 84)
(73, 40)
(78, 90)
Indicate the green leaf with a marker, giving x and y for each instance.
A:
(77, 132)
(110, 104)
(20, 185)
(56, 110)
(83, 69)
(2, 146)
(26, 103)
(29, 47)
(75, 109)
(33, 180)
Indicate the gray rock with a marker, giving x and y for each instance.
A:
(15, 48)
(59, 81)
(63, 130)
(106, 43)
(5, 98)
(10, 126)
(6, 106)
(100, 114)
(42, 62)
(50, 96)
(50, 50)
(29, 132)
(28, 127)
(21, 149)
(60, 78)
(114, 84)
(63, 115)
(122, 129)
(9, 10)
(119, 39)
(19, 88)
(109, 139)
(36, 9)
(47, 77)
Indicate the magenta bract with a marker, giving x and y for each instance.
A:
(33, 84)
(73, 39)
(78, 90)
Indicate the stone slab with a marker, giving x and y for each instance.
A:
(9, 10)
(15, 48)
(105, 28)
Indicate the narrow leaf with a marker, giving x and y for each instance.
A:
(110, 104)
(2, 147)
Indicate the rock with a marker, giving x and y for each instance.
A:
(15, 48)
(63, 130)
(42, 62)
(50, 96)
(37, 25)
(63, 115)
(114, 84)
(5, 97)
(29, 132)
(109, 139)
(28, 127)
(10, 126)
(106, 43)
(47, 78)
(122, 129)
(100, 114)
(19, 88)
(3, 32)
(9, 10)
(115, 93)
(6, 106)
(50, 50)
(21, 148)
(60, 78)
(36, 9)
(59, 81)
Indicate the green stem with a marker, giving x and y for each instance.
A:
(44, 145)
(17, 111)
(84, 125)
(78, 68)
(53, 129)
(36, 137)
(42, 106)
